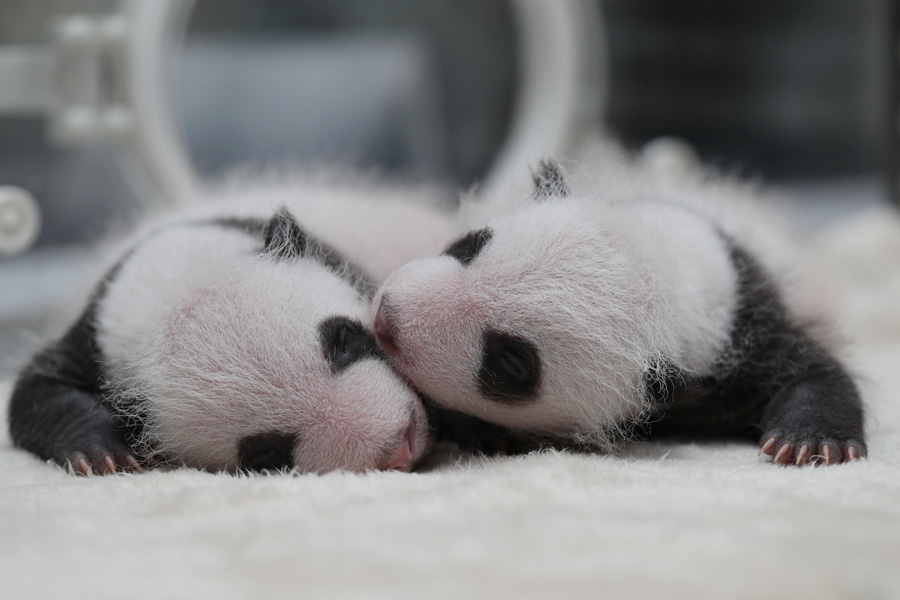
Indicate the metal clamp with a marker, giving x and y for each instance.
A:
(90, 75)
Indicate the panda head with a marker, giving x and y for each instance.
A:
(270, 364)
(538, 321)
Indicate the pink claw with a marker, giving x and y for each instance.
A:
(783, 457)
(802, 455)
(82, 466)
(133, 465)
(768, 446)
(110, 463)
(826, 453)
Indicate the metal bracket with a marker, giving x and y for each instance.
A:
(79, 81)
(27, 75)
(90, 79)
(103, 80)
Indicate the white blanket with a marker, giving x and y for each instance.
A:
(659, 521)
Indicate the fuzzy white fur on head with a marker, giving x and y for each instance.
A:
(207, 341)
(593, 282)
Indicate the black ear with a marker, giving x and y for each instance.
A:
(284, 237)
(549, 181)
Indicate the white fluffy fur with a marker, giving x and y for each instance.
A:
(370, 222)
(217, 342)
(623, 271)
(675, 521)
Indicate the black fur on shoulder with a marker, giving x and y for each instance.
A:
(774, 379)
(58, 408)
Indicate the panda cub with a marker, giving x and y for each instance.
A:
(232, 336)
(582, 319)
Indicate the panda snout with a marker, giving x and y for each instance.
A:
(385, 329)
(401, 459)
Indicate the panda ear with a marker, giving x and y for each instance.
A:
(284, 237)
(549, 181)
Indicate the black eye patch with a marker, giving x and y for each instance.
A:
(345, 341)
(270, 450)
(466, 248)
(510, 368)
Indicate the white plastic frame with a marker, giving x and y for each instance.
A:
(562, 91)
(155, 157)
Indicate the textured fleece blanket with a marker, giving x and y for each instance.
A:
(657, 521)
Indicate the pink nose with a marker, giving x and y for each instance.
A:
(384, 330)
(401, 460)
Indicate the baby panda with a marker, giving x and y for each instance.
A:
(232, 336)
(581, 319)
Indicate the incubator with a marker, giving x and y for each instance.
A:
(176, 93)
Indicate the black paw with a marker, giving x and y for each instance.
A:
(56, 413)
(100, 459)
(816, 420)
(86, 441)
(801, 450)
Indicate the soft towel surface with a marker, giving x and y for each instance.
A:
(660, 520)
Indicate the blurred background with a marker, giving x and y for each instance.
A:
(802, 94)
